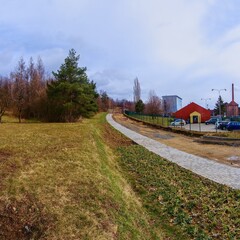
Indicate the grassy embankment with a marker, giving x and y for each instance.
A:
(67, 181)
(61, 181)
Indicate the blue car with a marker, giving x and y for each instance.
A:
(233, 126)
(222, 124)
(212, 120)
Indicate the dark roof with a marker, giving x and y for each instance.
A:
(232, 103)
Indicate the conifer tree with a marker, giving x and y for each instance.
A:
(139, 107)
(71, 95)
(220, 106)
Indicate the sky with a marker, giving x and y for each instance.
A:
(174, 47)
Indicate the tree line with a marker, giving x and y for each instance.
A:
(65, 97)
(153, 105)
(24, 92)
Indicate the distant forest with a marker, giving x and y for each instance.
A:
(65, 96)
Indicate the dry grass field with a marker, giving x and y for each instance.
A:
(86, 181)
(62, 181)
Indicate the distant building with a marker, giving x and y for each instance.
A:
(232, 107)
(193, 113)
(171, 103)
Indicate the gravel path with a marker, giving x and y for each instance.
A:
(217, 172)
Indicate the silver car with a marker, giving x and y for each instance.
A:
(178, 122)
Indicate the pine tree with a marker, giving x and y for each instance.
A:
(217, 110)
(71, 94)
(139, 106)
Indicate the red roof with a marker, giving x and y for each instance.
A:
(232, 103)
(190, 108)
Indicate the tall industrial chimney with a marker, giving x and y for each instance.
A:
(232, 92)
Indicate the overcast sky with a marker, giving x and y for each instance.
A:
(179, 47)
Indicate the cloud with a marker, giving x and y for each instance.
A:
(117, 84)
(174, 47)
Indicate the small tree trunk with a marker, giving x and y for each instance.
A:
(20, 116)
(1, 114)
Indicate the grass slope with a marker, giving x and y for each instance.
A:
(185, 202)
(62, 181)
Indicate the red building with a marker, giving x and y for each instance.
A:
(193, 113)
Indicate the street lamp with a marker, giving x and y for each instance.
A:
(206, 99)
(219, 104)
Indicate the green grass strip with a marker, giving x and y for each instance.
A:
(192, 205)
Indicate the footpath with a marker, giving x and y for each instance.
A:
(210, 169)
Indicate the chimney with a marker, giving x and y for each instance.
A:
(232, 92)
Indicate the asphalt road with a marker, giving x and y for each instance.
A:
(202, 127)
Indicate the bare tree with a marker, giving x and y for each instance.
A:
(37, 87)
(154, 104)
(41, 70)
(5, 96)
(20, 88)
(103, 101)
(136, 90)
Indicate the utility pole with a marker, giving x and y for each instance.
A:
(206, 99)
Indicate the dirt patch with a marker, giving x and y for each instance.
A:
(23, 219)
(4, 155)
(115, 139)
(8, 166)
(219, 153)
(234, 160)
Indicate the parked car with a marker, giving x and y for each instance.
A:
(217, 124)
(212, 120)
(222, 124)
(233, 126)
(178, 122)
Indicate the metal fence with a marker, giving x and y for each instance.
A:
(157, 119)
(165, 121)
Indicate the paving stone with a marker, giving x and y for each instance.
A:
(210, 169)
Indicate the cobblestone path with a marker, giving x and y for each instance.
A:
(212, 170)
